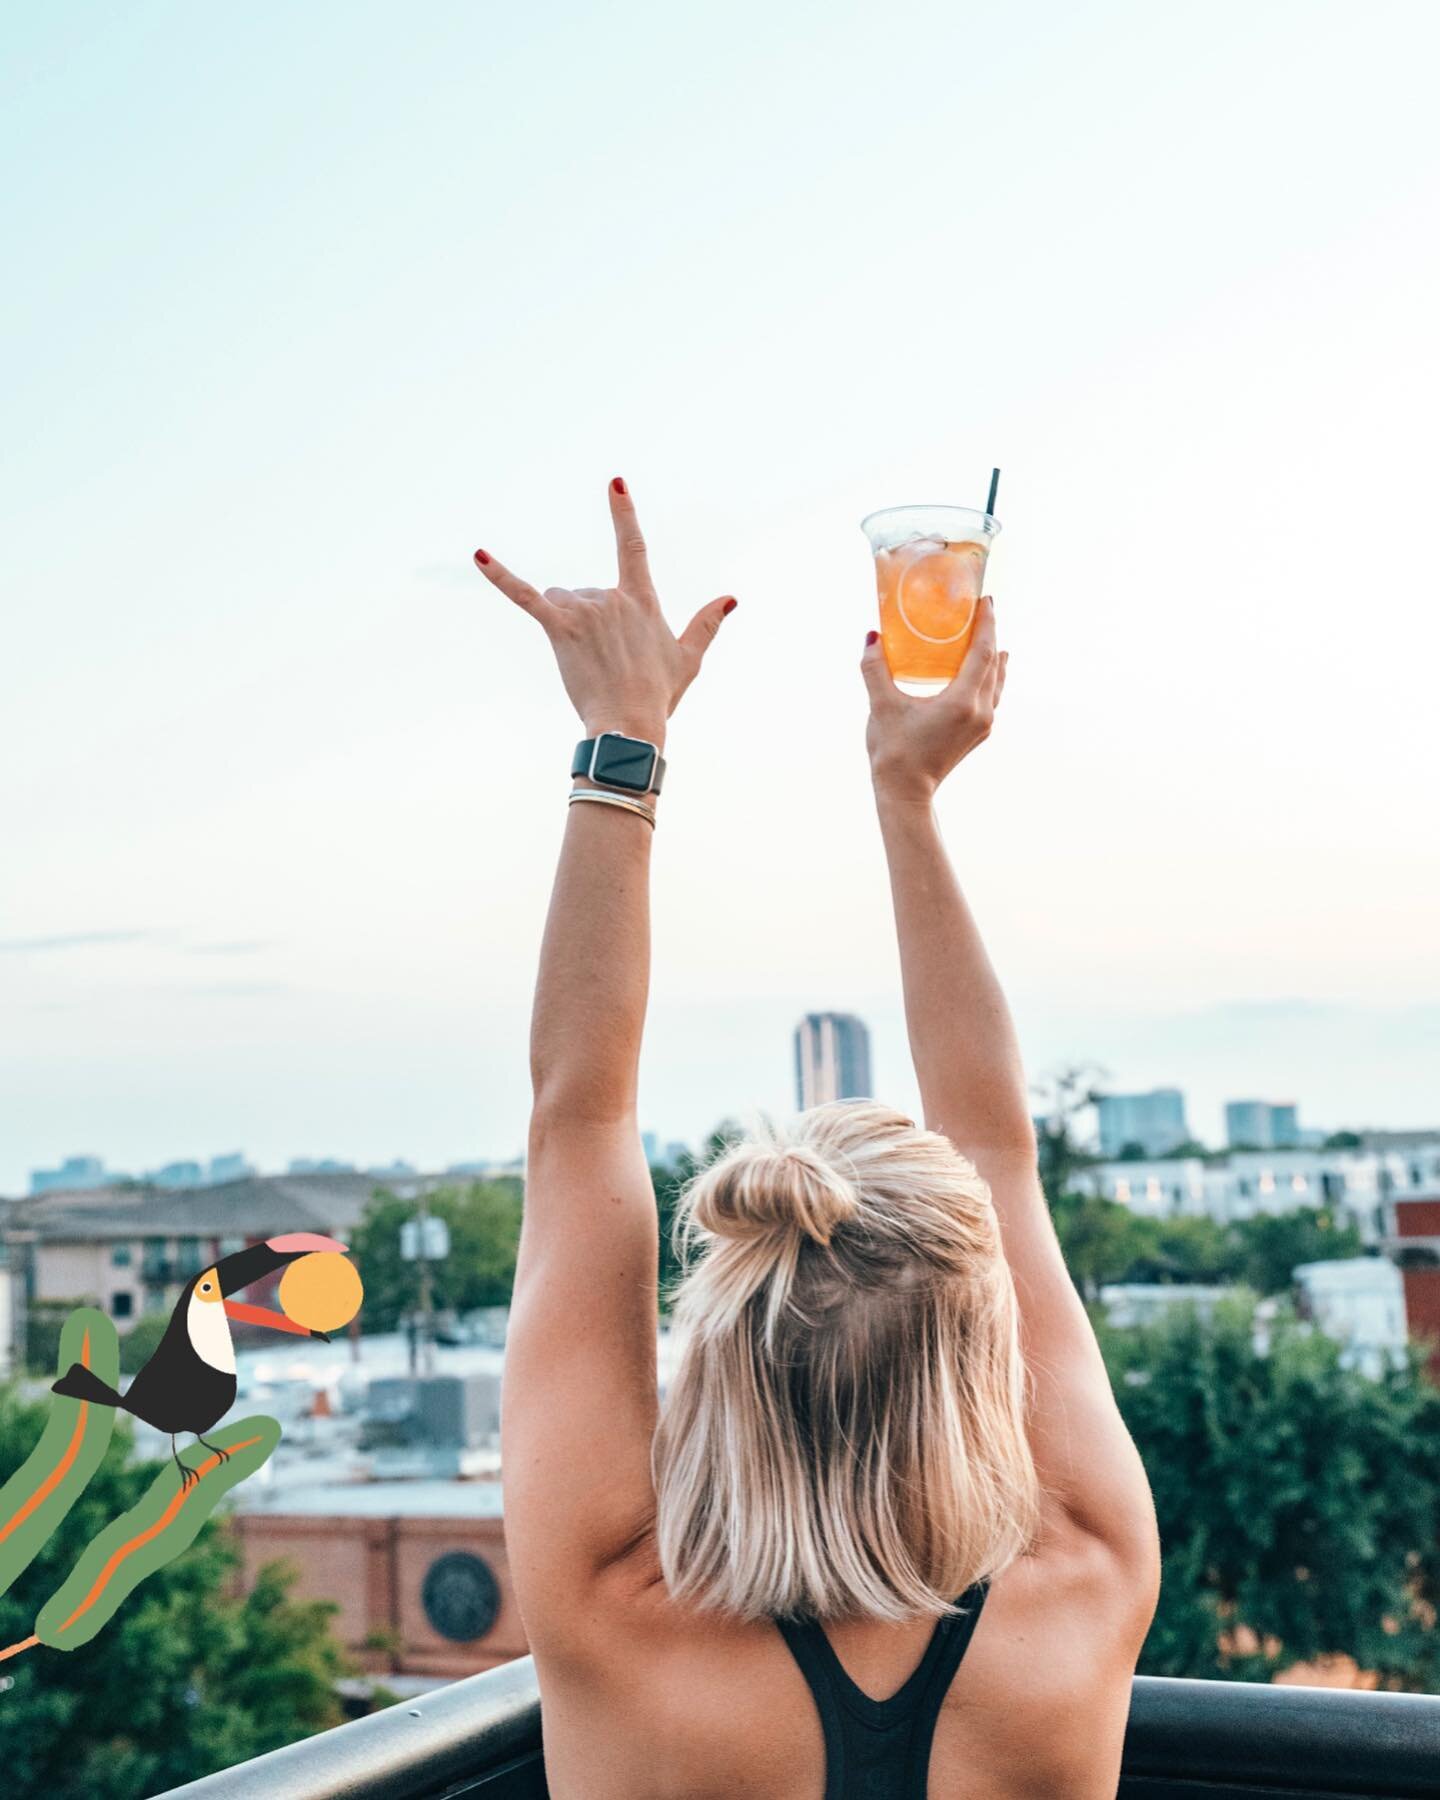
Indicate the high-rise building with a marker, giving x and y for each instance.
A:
(1154, 1121)
(185, 1174)
(832, 1059)
(1260, 1125)
(75, 1174)
(78, 1173)
(1247, 1122)
(232, 1166)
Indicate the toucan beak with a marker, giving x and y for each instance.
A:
(258, 1260)
(245, 1314)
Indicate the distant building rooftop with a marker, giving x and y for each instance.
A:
(251, 1207)
(376, 1499)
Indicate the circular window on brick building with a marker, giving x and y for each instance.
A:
(461, 1596)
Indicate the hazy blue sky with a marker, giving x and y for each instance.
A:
(303, 303)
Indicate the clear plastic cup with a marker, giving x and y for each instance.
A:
(930, 573)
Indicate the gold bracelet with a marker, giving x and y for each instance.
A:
(612, 800)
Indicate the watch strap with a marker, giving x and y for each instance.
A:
(580, 765)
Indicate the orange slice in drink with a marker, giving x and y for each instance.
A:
(938, 590)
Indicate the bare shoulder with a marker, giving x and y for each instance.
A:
(1089, 1600)
(641, 1698)
(1042, 1700)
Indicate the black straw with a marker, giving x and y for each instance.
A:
(994, 483)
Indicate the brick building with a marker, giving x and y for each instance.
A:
(1415, 1245)
(419, 1594)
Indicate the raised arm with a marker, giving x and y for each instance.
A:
(579, 1397)
(973, 1088)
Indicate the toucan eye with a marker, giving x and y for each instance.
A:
(204, 1287)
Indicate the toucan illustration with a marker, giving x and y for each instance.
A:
(189, 1382)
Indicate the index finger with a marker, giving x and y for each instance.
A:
(527, 598)
(629, 543)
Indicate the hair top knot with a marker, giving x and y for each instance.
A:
(758, 1191)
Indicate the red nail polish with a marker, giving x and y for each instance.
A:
(482, 556)
(618, 485)
(870, 637)
(730, 605)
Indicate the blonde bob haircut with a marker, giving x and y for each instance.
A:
(844, 1434)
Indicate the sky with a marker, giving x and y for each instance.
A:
(303, 304)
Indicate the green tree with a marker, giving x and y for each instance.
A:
(1101, 1240)
(43, 1322)
(141, 1341)
(187, 1678)
(1058, 1157)
(1189, 1249)
(1342, 1140)
(1064, 1092)
(1271, 1245)
(668, 1182)
(484, 1222)
(1295, 1498)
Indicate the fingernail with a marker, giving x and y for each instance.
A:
(870, 637)
(482, 556)
(618, 485)
(730, 605)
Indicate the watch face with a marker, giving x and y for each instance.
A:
(622, 762)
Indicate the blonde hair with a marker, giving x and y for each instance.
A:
(845, 1430)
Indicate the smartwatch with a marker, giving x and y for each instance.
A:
(632, 765)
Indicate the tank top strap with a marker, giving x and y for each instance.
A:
(809, 1646)
(883, 1743)
(953, 1634)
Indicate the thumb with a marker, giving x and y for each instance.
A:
(699, 634)
(876, 669)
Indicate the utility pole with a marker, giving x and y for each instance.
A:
(426, 1300)
(422, 1238)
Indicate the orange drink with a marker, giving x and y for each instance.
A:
(930, 573)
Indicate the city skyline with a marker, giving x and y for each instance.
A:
(701, 1067)
(214, 1169)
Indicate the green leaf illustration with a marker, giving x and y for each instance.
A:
(151, 1534)
(40, 1493)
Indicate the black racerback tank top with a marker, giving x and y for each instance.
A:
(880, 1749)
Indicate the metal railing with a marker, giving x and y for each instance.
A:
(1187, 1740)
(477, 1736)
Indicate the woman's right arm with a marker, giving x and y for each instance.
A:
(972, 1084)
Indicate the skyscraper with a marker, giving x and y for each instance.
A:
(1262, 1125)
(1154, 1121)
(832, 1059)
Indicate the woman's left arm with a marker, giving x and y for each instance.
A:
(579, 1399)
